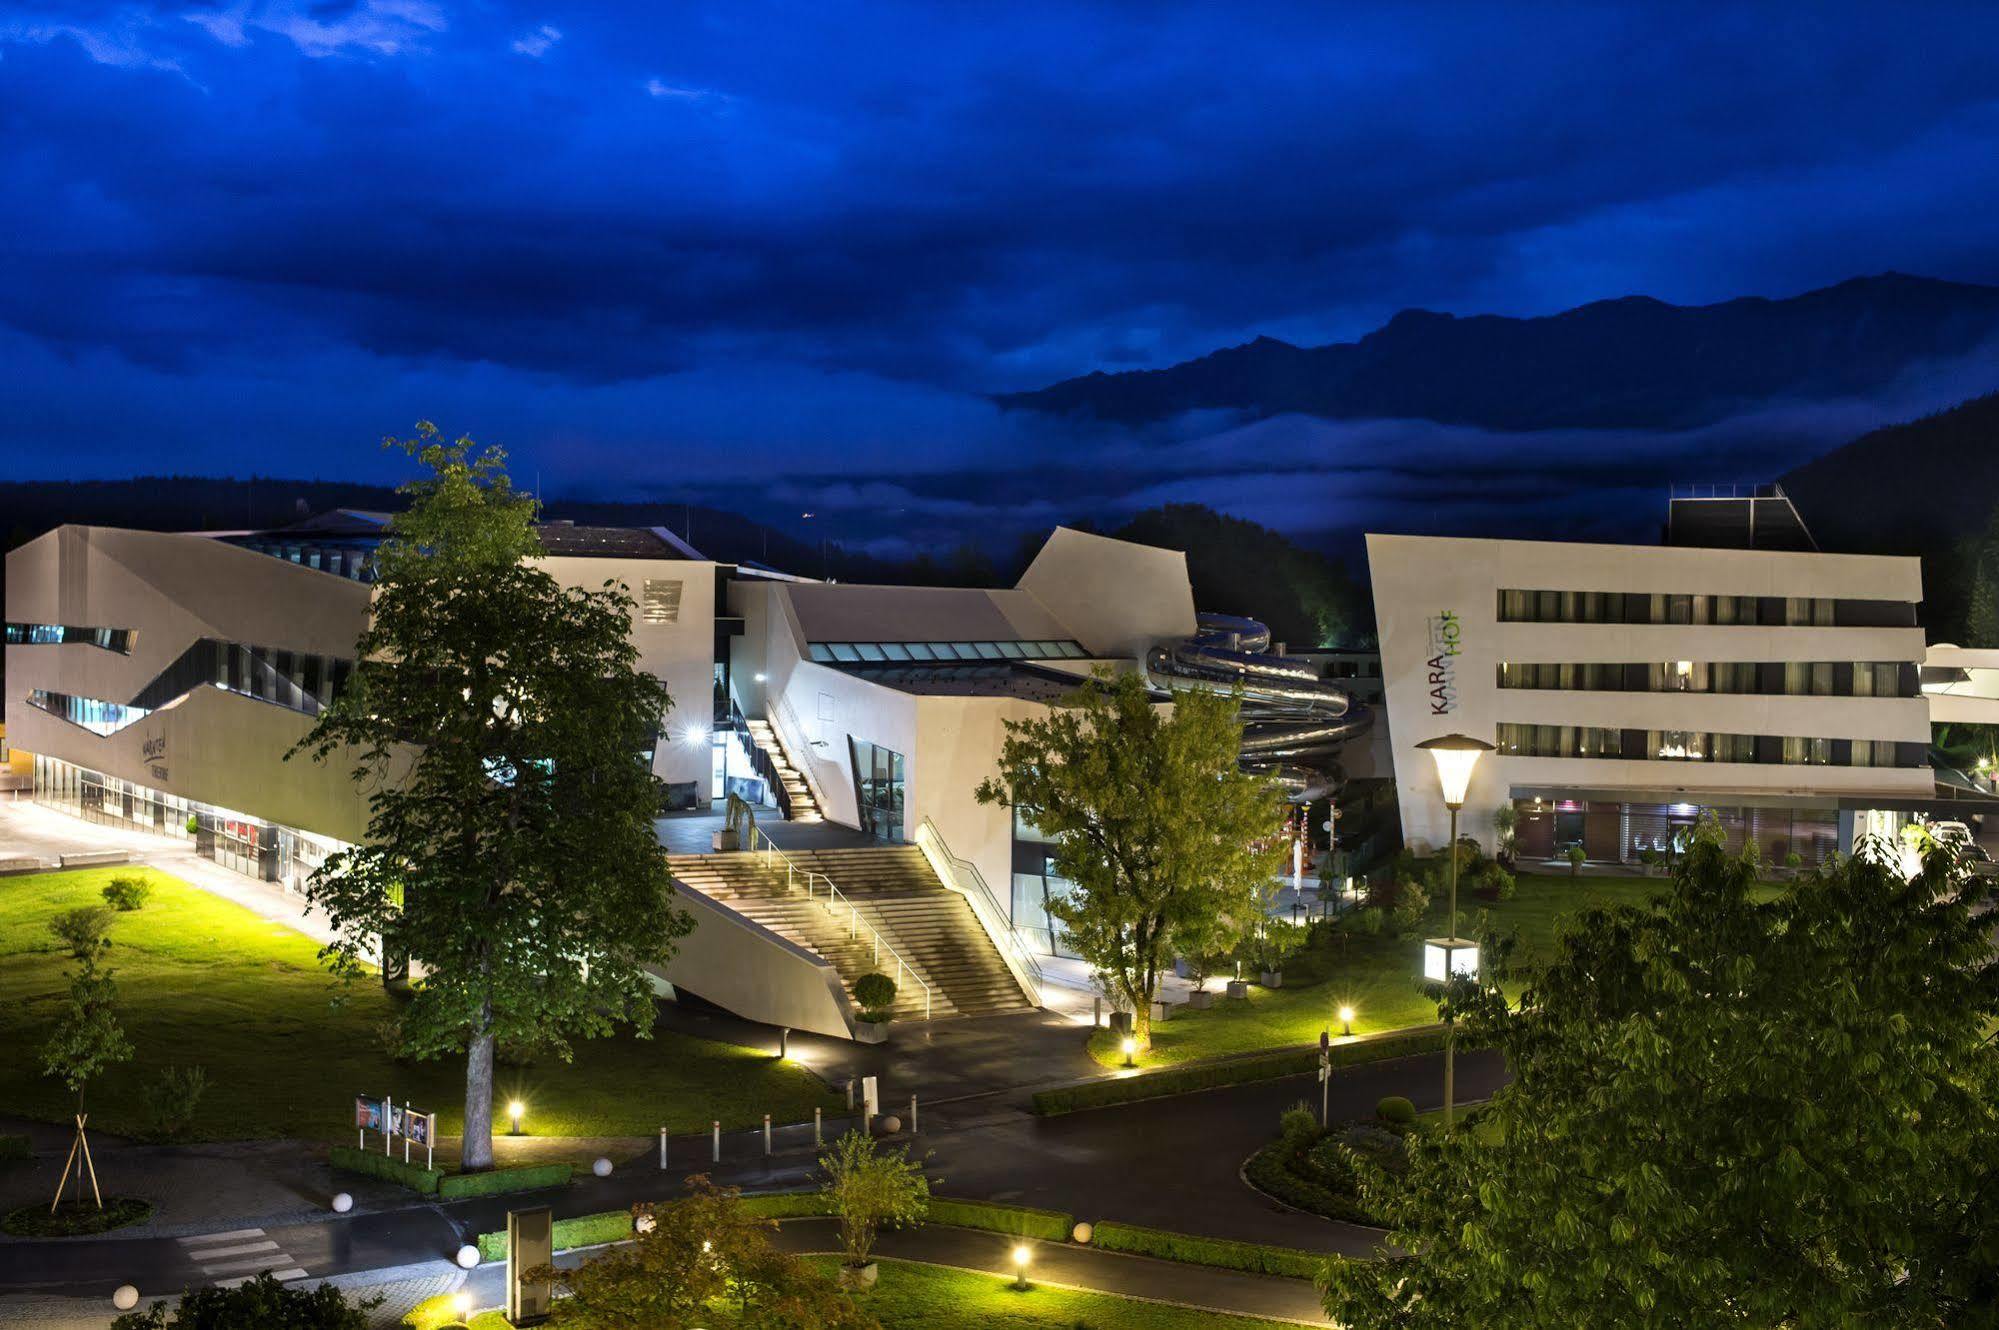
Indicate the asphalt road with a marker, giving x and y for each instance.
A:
(1169, 1163)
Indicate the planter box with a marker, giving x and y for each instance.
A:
(870, 1032)
(1238, 990)
(1121, 1022)
(1162, 1011)
(1272, 978)
(1201, 999)
(723, 841)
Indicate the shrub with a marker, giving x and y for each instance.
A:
(262, 1301)
(876, 995)
(35, 1220)
(1386, 1149)
(14, 1149)
(869, 1187)
(81, 931)
(126, 892)
(1794, 861)
(1298, 1126)
(1494, 883)
(534, 1177)
(1019, 1221)
(1396, 1110)
(1235, 1071)
(1576, 856)
(416, 1177)
(172, 1099)
(1367, 921)
(1411, 904)
(1221, 1253)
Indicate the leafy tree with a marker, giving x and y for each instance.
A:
(868, 1188)
(1239, 567)
(82, 931)
(87, 1037)
(699, 1261)
(1725, 1111)
(1160, 830)
(495, 717)
(261, 1302)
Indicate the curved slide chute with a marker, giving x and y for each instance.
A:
(1294, 722)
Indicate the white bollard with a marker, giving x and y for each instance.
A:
(602, 1168)
(818, 1128)
(342, 1203)
(662, 1147)
(912, 1115)
(715, 1132)
(126, 1298)
(766, 1135)
(468, 1256)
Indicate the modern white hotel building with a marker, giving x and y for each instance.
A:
(1627, 689)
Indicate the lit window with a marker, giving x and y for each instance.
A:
(662, 600)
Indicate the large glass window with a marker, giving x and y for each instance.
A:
(879, 781)
(59, 634)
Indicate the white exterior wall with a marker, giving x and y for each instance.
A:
(1417, 579)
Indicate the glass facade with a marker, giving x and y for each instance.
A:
(1521, 606)
(1035, 883)
(58, 634)
(1863, 678)
(841, 653)
(879, 780)
(1704, 746)
(354, 560)
(93, 714)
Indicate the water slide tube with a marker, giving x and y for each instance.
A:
(1294, 722)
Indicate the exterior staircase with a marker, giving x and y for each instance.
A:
(894, 892)
(798, 795)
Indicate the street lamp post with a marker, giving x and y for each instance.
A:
(1455, 755)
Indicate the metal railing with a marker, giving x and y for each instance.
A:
(814, 882)
(782, 719)
(964, 877)
(760, 761)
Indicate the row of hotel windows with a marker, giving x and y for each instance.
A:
(59, 634)
(1648, 607)
(1703, 746)
(1795, 678)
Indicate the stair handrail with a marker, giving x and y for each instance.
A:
(800, 756)
(793, 872)
(760, 760)
(964, 877)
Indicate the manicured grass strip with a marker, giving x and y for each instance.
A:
(423, 1181)
(582, 1231)
(1236, 1071)
(911, 1296)
(1017, 1220)
(286, 1046)
(616, 1225)
(1219, 1252)
(534, 1177)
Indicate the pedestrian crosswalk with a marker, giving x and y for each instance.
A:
(240, 1255)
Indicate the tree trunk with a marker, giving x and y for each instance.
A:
(477, 1151)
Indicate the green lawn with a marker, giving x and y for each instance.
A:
(203, 982)
(907, 1296)
(1377, 976)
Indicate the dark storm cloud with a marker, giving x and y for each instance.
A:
(651, 242)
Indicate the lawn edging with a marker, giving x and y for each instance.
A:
(1106, 1091)
(1222, 1253)
(616, 1225)
(444, 1185)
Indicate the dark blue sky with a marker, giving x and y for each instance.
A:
(656, 248)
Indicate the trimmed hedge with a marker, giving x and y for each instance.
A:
(1236, 1071)
(447, 1186)
(416, 1177)
(1269, 1171)
(534, 1177)
(1219, 1252)
(1020, 1221)
(616, 1225)
(582, 1231)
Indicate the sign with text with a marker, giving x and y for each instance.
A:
(1446, 642)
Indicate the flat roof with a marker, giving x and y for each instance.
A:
(844, 612)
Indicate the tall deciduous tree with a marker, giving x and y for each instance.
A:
(1163, 834)
(1729, 1111)
(499, 721)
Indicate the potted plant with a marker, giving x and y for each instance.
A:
(867, 1187)
(1505, 830)
(874, 993)
(1199, 967)
(1576, 857)
(1275, 942)
(739, 825)
(1794, 862)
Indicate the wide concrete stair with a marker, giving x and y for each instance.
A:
(804, 808)
(893, 891)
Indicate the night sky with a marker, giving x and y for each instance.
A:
(774, 256)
